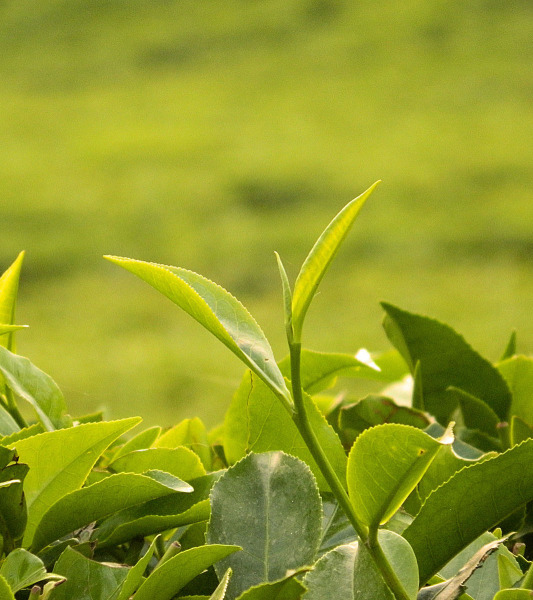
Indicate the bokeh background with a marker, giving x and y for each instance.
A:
(209, 134)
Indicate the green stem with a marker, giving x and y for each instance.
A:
(301, 420)
(14, 410)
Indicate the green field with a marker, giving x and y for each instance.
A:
(209, 134)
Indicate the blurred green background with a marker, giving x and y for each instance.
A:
(209, 134)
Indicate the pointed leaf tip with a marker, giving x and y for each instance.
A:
(321, 256)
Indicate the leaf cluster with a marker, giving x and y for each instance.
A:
(422, 491)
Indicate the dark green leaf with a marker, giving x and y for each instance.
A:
(445, 360)
(22, 569)
(518, 372)
(288, 588)
(269, 505)
(13, 511)
(510, 349)
(476, 413)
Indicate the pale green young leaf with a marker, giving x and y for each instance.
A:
(101, 499)
(270, 506)
(180, 462)
(218, 311)
(257, 422)
(190, 433)
(446, 359)
(497, 486)
(22, 569)
(320, 257)
(287, 299)
(141, 441)
(476, 413)
(8, 425)
(168, 579)
(87, 579)
(21, 434)
(160, 514)
(60, 461)
(28, 382)
(135, 575)
(518, 373)
(397, 456)
(10, 328)
(513, 594)
(9, 283)
(220, 592)
(6, 592)
(510, 349)
(519, 430)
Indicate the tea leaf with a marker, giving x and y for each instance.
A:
(141, 441)
(135, 575)
(180, 462)
(13, 511)
(348, 573)
(105, 579)
(384, 466)
(60, 461)
(450, 519)
(518, 373)
(8, 425)
(269, 505)
(9, 283)
(190, 433)
(288, 588)
(320, 257)
(513, 594)
(220, 592)
(22, 569)
(445, 360)
(218, 311)
(36, 387)
(5, 591)
(99, 500)
(168, 579)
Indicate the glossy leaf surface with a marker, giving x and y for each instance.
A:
(385, 464)
(217, 310)
(446, 359)
(22, 569)
(269, 505)
(450, 519)
(60, 461)
(320, 257)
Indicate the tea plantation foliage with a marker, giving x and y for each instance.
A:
(423, 491)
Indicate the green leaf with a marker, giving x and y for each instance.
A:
(476, 413)
(8, 425)
(509, 572)
(287, 299)
(396, 456)
(36, 387)
(22, 569)
(5, 591)
(180, 462)
(269, 505)
(22, 434)
(513, 594)
(190, 433)
(99, 500)
(60, 461)
(348, 573)
(518, 373)
(13, 511)
(157, 515)
(376, 410)
(87, 579)
(218, 311)
(320, 257)
(336, 528)
(520, 430)
(257, 422)
(141, 441)
(450, 519)
(445, 360)
(510, 349)
(288, 588)
(10, 328)
(9, 283)
(135, 575)
(168, 579)
(220, 592)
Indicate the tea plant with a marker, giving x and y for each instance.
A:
(423, 491)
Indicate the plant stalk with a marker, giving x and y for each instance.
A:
(301, 421)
